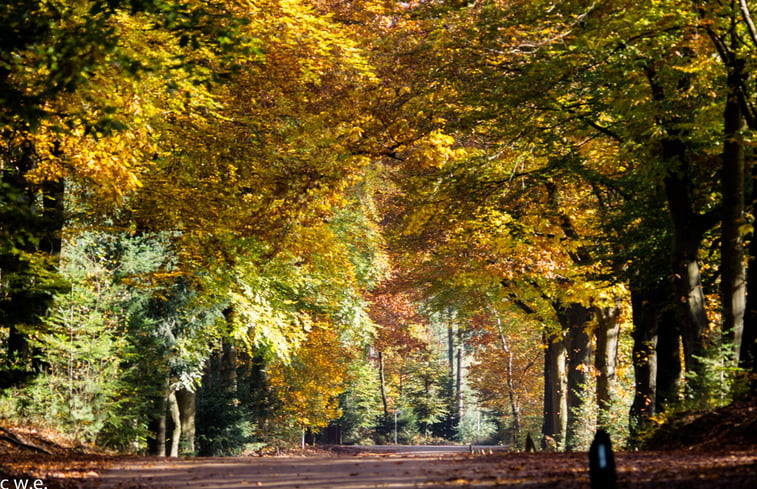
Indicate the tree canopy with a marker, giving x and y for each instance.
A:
(360, 217)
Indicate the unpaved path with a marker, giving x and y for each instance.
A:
(727, 470)
(421, 469)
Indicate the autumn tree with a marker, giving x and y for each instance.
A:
(534, 94)
(308, 388)
(71, 112)
(506, 353)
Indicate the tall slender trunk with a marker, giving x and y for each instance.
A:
(555, 390)
(732, 267)
(748, 354)
(382, 386)
(548, 427)
(173, 409)
(451, 356)
(229, 377)
(459, 400)
(605, 358)
(162, 424)
(514, 405)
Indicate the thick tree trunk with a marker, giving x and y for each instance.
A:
(16, 214)
(646, 305)
(668, 361)
(555, 392)
(605, 358)
(162, 426)
(732, 267)
(187, 411)
(575, 321)
(748, 354)
(691, 317)
(32, 219)
(688, 228)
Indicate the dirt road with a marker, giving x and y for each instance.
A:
(728, 470)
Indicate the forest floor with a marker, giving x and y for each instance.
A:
(706, 451)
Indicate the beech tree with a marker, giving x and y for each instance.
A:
(329, 176)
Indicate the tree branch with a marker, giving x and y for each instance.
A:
(17, 440)
(748, 20)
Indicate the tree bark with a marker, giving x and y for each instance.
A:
(173, 409)
(548, 427)
(575, 319)
(691, 315)
(451, 356)
(32, 218)
(668, 361)
(514, 405)
(229, 377)
(732, 267)
(748, 354)
(186, 400)
(162, 426)
(382, 386)
(605, 358)
(555, 391)
(459, 401)
(688, 228)
(646, 304)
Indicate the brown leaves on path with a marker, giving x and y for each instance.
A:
(638, 470)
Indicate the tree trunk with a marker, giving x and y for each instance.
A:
(689, 297)
(688, 228)
(732, 267)
(186, 400)
(575, 321)
(748, 350)
(555, 391)
(382, 386)
(32, 219)
(459, 401)
(173, 408)
(162, 425)
(229, 377)
(605, 358)
(646, 304)
(451, 356)
(668, 361)
(514, 407)
(548, 427)
(748, 354)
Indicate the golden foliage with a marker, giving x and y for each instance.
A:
(308, 387)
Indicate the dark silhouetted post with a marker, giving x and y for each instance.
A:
(530, 445)
(602, 462)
